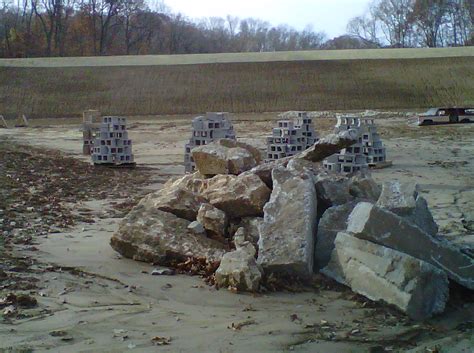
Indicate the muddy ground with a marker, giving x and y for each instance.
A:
(57, 214)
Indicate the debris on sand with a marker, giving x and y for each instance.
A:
(382, 242)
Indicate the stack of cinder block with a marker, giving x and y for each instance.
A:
(112, 145)
(90, 127)
(205, 129)
(372, 144)
(291, 137)
(351, 159)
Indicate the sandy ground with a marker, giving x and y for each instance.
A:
(92, 300)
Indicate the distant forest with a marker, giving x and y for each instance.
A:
(34, 28)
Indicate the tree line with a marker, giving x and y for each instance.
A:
(416, 23)
(32, 28)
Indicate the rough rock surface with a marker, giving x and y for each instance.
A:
(178, 201)
(238, 196)
(286, 243)
(383, 227)
(333, 221)
(213, 220)
(329, 145)
(225, 156)
(151, 235)
(250, 226)
(194, 182)
(196, 228)
(404, 200)
(398, 197)
(332, 190)
(364, 188)
(238, 269)
(379, 273)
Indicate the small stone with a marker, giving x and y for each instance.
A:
(163, 272)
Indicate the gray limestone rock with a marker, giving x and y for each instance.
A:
(414, 286)
(333, 221)
(178, 201)
(383, 227)
(213, 220)
(332, 190)
(286, 243)
(196, 228)
(398, 197)
(225, 156)
(250, 227)
(151, 235)
(364, 188)
(404, 200)
(238, 196)
(238, 269)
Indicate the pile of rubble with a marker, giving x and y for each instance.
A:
(289, 218)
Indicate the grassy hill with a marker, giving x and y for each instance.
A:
(250, 82)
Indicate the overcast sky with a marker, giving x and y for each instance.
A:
(329, 16)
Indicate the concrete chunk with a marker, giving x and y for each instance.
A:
(287, 233)
(383, 227)
(379, 273)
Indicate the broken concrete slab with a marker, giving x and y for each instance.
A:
(238, 196)
(383, 227)
(225, 156)
(151, 235)
(213, 220)
(333, 221)
(416, 287)
(286, 243)
(329, 145)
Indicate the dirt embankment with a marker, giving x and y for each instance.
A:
(237, 87)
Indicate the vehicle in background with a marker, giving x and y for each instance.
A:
(436, 116)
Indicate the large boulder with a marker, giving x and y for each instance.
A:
(414, 286)
(151, 235)
(333, 221)
(213, 220)
(225, 156)
(286, 243)
(179, 201)
(329, 145)
(238, 269)
(238, 196)
(383, 227)
(404, 200)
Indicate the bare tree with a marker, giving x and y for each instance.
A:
(396, 21)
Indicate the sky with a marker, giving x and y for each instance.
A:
(329, 16)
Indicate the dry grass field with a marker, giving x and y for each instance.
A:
(322, 80)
